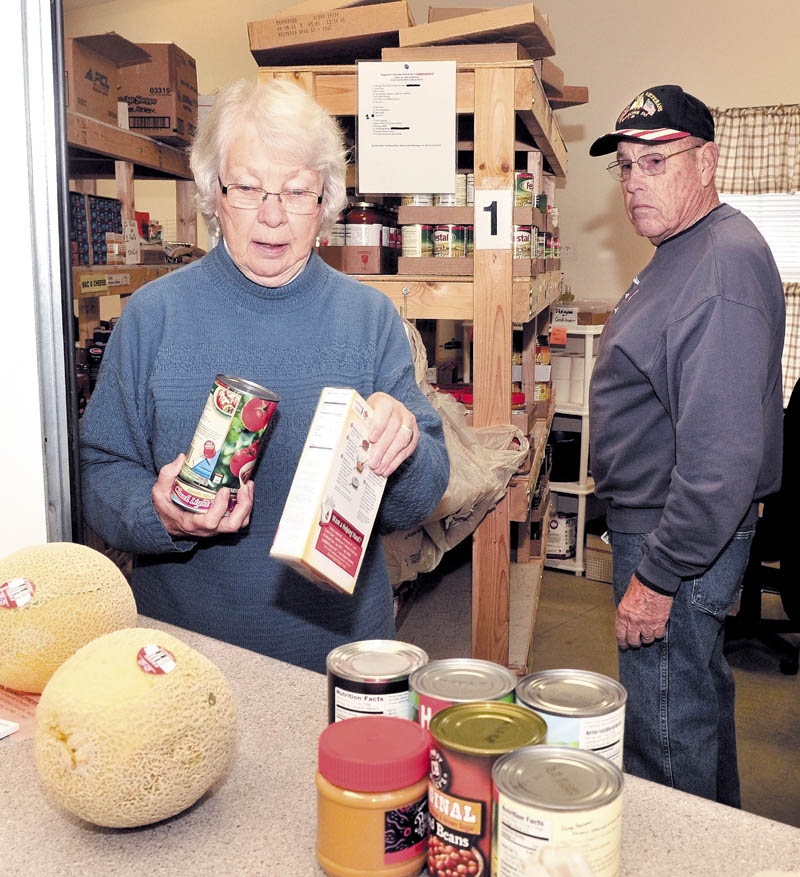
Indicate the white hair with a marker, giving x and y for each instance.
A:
(289, 122)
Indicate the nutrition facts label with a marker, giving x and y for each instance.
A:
(349, 704)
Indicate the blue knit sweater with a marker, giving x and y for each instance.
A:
(175, 335)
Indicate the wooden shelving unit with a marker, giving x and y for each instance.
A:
(495, 297)
(97, 150)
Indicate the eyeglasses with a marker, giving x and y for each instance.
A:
(252, 197)
(652, 164)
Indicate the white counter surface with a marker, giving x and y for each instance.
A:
(261, 819)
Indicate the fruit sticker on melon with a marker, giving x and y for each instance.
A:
(55, 598)
(135, 727)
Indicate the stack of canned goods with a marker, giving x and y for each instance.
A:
(515, 765)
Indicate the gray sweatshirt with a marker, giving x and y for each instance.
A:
(685, 404)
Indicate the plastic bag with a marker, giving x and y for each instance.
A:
(482, 462)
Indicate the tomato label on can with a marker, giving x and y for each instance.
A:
(226, 443)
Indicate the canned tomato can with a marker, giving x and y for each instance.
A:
(521, 238)
(582, 709)
(226, 444)
(442, 683)
(448, 241)
(370, 678)
(552, 796)
(417, 240)
(467, 740)
(523, 189)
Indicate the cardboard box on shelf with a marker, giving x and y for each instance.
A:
(93, 65)
(161, 94)
(336, 36)
(360, 260)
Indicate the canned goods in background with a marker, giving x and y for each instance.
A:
(582, 709)
(534, 242)
(226, 443)
(417, 199)
(469, 240)
(448, 241)
(417, 240)
(523, 189)
(364, 225)
(334, 237)
(370, 678)
(521, 239)
(551, 796)
(440, 684)
(467, 740)
(470, 188)
(548, 245)
(458, 198)
(541, 248)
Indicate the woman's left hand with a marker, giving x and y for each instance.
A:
(393, 435)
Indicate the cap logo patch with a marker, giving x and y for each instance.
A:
(645, 104)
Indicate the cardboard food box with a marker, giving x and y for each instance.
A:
(360, 260)
(332, 503)
(162, 94)
(335, 36)
(598, 559)
(93, 65)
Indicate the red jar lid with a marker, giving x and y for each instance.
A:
(466, 398)
(517, 399)
(374, 753)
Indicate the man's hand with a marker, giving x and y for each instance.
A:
(182, 524)
(642, 616)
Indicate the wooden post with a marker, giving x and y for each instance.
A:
(492, 344)
(186, 212)
(123, 172)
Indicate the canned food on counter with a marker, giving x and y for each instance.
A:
(582, 709)
(370, 677)
(448, 241)
(442, 683)
(226, 444)
(417, 240)
(552, 796)
(467, 740)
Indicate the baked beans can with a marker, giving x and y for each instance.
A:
(552, 796)
(582, 709)
(523, 189)
(370, 678)
(226, 444)
(417, 240)
(467, 740)
(442, 683)
(417, 199)
(448, 241)
(521, 241)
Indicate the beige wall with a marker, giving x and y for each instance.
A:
(727, 52)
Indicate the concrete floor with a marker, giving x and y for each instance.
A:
(574, 628)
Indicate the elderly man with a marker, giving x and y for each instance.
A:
(686, 415)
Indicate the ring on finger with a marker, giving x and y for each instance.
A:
(410, 432)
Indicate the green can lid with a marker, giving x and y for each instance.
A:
(487, 727)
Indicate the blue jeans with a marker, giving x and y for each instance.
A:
(679, 717)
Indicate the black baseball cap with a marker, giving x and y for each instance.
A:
(658, 115)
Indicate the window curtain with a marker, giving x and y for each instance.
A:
(759, 149)
(759, 152)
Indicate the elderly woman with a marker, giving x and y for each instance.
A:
(270, 169)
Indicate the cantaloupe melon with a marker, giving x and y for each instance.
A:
(133, 728)
(55, 598)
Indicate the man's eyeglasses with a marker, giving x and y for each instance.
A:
(252, 197)
(652, 164)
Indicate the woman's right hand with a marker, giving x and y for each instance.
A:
(181, 523)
